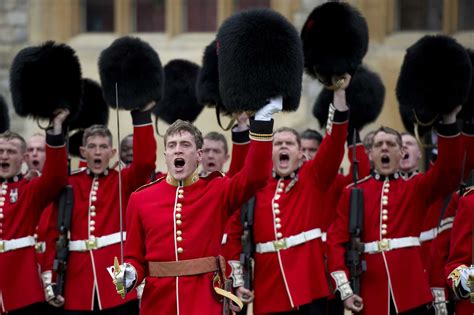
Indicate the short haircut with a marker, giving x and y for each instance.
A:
(38, 134)
(290, 130)
(9, 135)
(96, 130)
(391, 131)
(215, 136)
(180, 126)
(126, 137)
(311, 134)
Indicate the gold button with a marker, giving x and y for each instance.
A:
(178, 232)
(178, 222)
(384, 198)
(387, 185)
(179, 205)
(279, 190)
(385, 217)
(281, 185)
(180, 196)
(92, 208)
(384, 232)
(277, 211)
(277, 196)
(2, 203)
(277, 220)
(384, 226)
(4, 192)
(385, 190)
(180, 250)
(278, 226)
(279, 235)
(384, 202)
(1, 215)
(93, 192)
(92, 222)
(179, 239)
(384, 211)
(93, 198)
(276, 205)
(2, 198)
(178, 215)
(92, 228)
(93, 214)
(180, 191)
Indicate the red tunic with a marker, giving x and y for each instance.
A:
(20, 284)
(289, 278)
(86, 274)
(461, 246)
(388, 273)
(160, 232)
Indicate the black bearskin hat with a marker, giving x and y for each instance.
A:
(136, 68)
(335, 40)
(260, 57)
(4, 117)
(435, 77)
(44, 78)
(93, 110)
(365, 96)
(179, 95)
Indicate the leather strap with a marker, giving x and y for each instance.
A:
(189, 267)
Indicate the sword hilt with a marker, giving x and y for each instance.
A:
(119, 285)
(471, 284)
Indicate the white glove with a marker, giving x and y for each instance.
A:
(140, 288)
(265, 113)
(126, 276)
(49, 295)
(465, 278)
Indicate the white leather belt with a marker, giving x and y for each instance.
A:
(96, 242)
(428, 235)
(17, 243)
(387, 244)
(287, 242)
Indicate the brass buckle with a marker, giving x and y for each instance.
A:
(2, 246)
(40, 248)
(91, 244)
(279, 244)
(383, 245)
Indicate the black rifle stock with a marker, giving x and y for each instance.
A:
(356, 222)
(246, 218)
(65, 205)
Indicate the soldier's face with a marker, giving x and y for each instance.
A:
(11, 157)
(286, 153)
(213, 155)
(126, 150)
(181, 155)
(35, 153)
(98, 151)
(412, 154)
(309, 147)
(386, 153)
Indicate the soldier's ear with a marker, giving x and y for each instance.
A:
(199, 155)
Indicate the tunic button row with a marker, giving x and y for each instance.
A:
(178, 215)
(4, 191)
(1, 215)
(278, 226)
(179, 207)
(180, 250)
(180, 193)
(385, 190)
(2, 203)
(385, 217)
(178, 222)
(178, 232)
(279, 235)
(384, 232)
(179, 239)
(384, 211)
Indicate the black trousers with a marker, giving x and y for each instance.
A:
(33, 309)
(316, 307)
(130, 308)
(47, 309)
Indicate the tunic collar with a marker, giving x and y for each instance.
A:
(12, 179)
(382, 178)
(408, 175)
(182, 183)
(91, 174)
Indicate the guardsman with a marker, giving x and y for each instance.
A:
(95, 228)
(388, 285)
(21, 204)
(177, 222)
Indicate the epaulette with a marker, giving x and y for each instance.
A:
(366, 178)
(212, 175)
(468, 190)
(156, 181)
(78, 171)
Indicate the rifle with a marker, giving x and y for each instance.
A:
(65, 205)
(246, 257)
(356, 220)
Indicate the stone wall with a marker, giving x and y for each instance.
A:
(13, 37)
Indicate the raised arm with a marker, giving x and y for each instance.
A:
(240, 146)
(144, 151)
